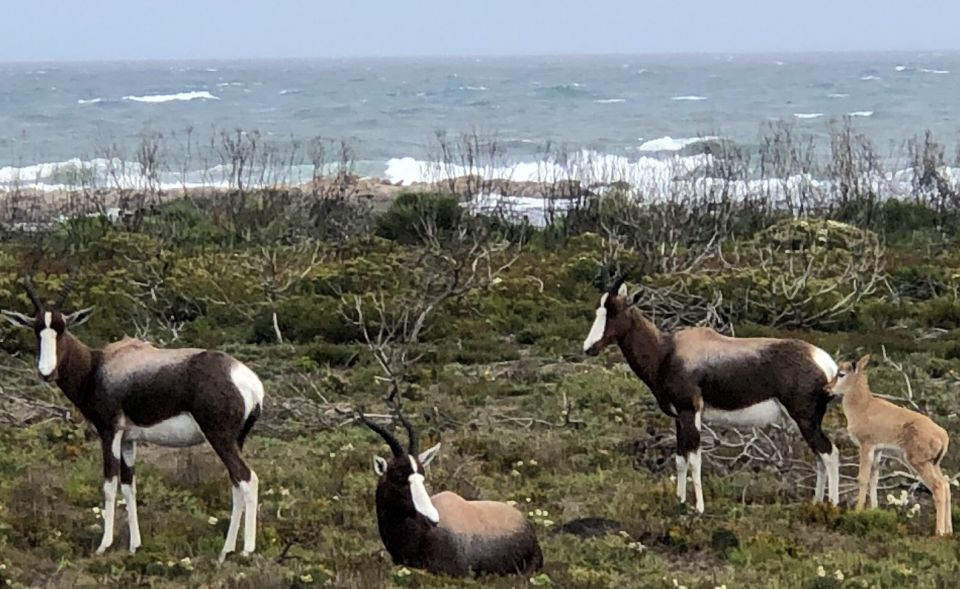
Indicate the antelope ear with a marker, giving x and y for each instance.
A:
(862, 363)
(623, 290)
(635, 298)
(79, 317)
(18, 319)
(379, 466)
(428, 455)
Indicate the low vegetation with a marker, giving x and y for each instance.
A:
(476, 324)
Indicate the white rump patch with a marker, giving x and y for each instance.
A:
(179, 432)
(825, 362)
(47, 362)
(758, 414)
(249, 385)
(596, 330)
(421, 499)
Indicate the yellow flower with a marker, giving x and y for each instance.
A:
(821, 572)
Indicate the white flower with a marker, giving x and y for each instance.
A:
(532, 462)
(212, 520)
(336, 497)
(821, 572)
(514, 473)
(518, 463)
(720, 587)
(403, 572)
(306, 578)
(333, 455)
(838, 575)
(284, 492)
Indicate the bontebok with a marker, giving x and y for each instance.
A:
(131, 391)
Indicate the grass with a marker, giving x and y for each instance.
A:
(499, 425)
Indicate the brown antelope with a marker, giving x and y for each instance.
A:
(698, 374)
(445, 533)
(877, 425)
(131, 391)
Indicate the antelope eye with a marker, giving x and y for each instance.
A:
(841, 374)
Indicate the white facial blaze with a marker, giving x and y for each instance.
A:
(596, 330)
(47, 362)
(421, 500)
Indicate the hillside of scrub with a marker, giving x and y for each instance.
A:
(476, 322)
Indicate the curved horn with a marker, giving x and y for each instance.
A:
(617, 284)
(28, 286)
(65, 291)
(394, 444)
(414, 441)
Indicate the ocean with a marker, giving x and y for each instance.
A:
(389, 110)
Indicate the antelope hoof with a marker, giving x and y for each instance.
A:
(101, 549)
(223, 557)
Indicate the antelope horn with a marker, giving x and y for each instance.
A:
(617, 284)
(28, 286)
(414, 445)
(392, 441)
(65, 291)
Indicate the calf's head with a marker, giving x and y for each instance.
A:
(49, 325)
(402, 477)
(611, 320)
(850, 375)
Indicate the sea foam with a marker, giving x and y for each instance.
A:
(860, 113)
(671, 144)
(90, 101)
(689, 98)
(610, 100)
(808, 115)
(939, 72)
(180, 96)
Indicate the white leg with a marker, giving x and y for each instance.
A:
(875, 477)
(251, 491)
(111, 463)
(682, 479)
(831, 463)
(231, 542)
(129, 491)
(694, 459)
(110, 502)
(821, 470)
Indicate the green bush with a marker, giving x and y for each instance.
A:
(403, 221)
(873, 524)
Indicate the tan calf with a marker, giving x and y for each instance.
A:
(876, 424)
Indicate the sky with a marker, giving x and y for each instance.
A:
(82, 30)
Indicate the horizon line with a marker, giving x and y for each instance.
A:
(412, 56)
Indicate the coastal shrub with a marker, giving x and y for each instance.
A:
(941, 312)
(411, 214)
(305, 319)
(901, 220)
(874, 524)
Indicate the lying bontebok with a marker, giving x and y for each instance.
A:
(132, 391)
(876, 424)
(445, 533)
(698, 373)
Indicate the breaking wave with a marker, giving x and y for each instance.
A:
(180, 96)
(673, 144)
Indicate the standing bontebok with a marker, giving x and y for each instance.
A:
(876, 424)
(698, 373)
(445, 533)
(132, 391)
